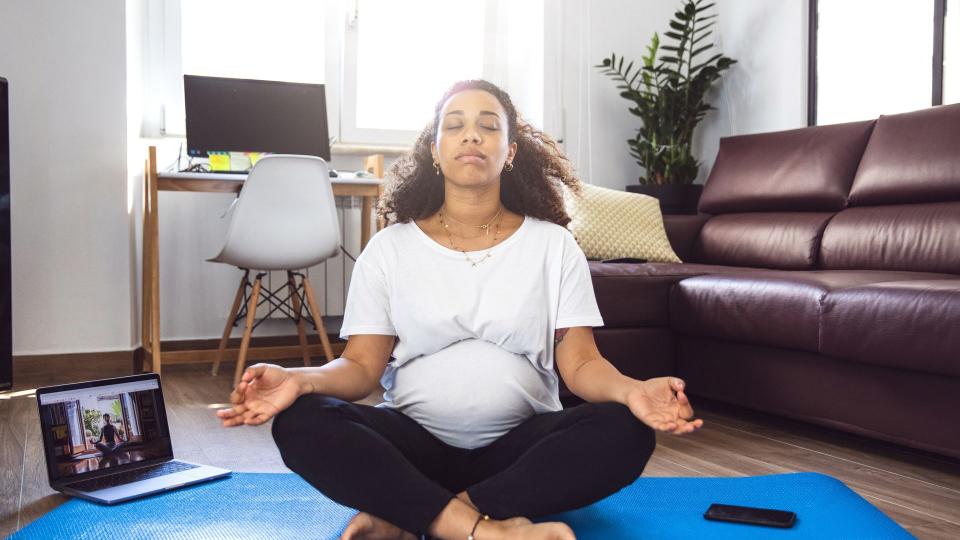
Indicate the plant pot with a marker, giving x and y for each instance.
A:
(674, 198)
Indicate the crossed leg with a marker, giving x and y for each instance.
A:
(406, 481)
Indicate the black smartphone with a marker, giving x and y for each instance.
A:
(753, 516)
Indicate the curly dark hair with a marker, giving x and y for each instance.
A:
(533, 188)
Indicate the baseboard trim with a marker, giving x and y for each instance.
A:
(32, 371)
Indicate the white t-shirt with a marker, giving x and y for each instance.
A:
(474, 355)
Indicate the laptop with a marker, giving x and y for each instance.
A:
(108, 440)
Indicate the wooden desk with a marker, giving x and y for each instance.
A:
(153, 182)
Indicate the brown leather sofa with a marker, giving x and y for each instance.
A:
(821, 281)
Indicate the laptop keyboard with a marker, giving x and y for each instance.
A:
(135, 475)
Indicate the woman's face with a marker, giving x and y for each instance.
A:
(472, 144)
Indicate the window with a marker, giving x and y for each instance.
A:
(384, 63)
(872, 57)
(244, 40)
(401, 56)
(951, 53)
(414, 68)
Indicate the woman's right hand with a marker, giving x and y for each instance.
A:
(263, 391)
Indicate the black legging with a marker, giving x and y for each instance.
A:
(380, 461)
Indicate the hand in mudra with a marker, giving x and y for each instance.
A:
(263, 391)
(661, 404)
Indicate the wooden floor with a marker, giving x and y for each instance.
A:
(919, 491)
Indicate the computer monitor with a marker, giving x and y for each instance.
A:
(245, 115)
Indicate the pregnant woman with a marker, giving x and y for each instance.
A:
(465, 309)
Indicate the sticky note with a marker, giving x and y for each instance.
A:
(239, 161)
(219, 161)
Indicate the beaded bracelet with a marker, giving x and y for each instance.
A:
(482, 517)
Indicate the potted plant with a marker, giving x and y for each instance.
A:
(667, 93)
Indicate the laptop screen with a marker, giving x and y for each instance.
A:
(94, 426)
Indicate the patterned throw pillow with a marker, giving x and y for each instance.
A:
(612, 224)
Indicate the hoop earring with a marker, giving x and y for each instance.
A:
(437, 167)
(508, 167)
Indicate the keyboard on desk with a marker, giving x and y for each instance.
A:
(207, 171)
(200, 174)
(136, 475)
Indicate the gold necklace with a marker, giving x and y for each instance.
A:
(487, 255)
(485, 227)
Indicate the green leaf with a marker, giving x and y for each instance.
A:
(725, 63)
(704, 8)
(710, 61)
(700, 50)
(678, 27)
(701, 38)
(673, 35)
(704, 27)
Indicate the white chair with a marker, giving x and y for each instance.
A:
(284, 219)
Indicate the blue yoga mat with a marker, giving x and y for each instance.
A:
(261, 505)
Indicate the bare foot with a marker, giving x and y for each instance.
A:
(365, 526)
(520, 528)
(538, 531)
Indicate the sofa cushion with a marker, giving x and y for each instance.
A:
(785, 240)
(682, 231)
(632, 295)
(916, 237)
(611, 224)
(809, 169)
(775, 308)
(911, 158)
(905, 324)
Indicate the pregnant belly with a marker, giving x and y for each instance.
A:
(472, 392)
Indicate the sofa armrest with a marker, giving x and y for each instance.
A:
(682, 231)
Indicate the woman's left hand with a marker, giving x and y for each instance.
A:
(661, 404)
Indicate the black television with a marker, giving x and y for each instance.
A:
(247, 115)
(6, 308)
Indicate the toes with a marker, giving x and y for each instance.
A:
(356, 526)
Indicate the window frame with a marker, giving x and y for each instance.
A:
(349, 133)
(936, 98)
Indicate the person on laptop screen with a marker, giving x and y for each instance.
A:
(477, 290)
(107, 443)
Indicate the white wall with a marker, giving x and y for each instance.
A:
(765, 91)
(70, 228)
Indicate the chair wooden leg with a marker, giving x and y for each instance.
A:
(247, 330)
(228, 329)
(298, 309)
(318, 319)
